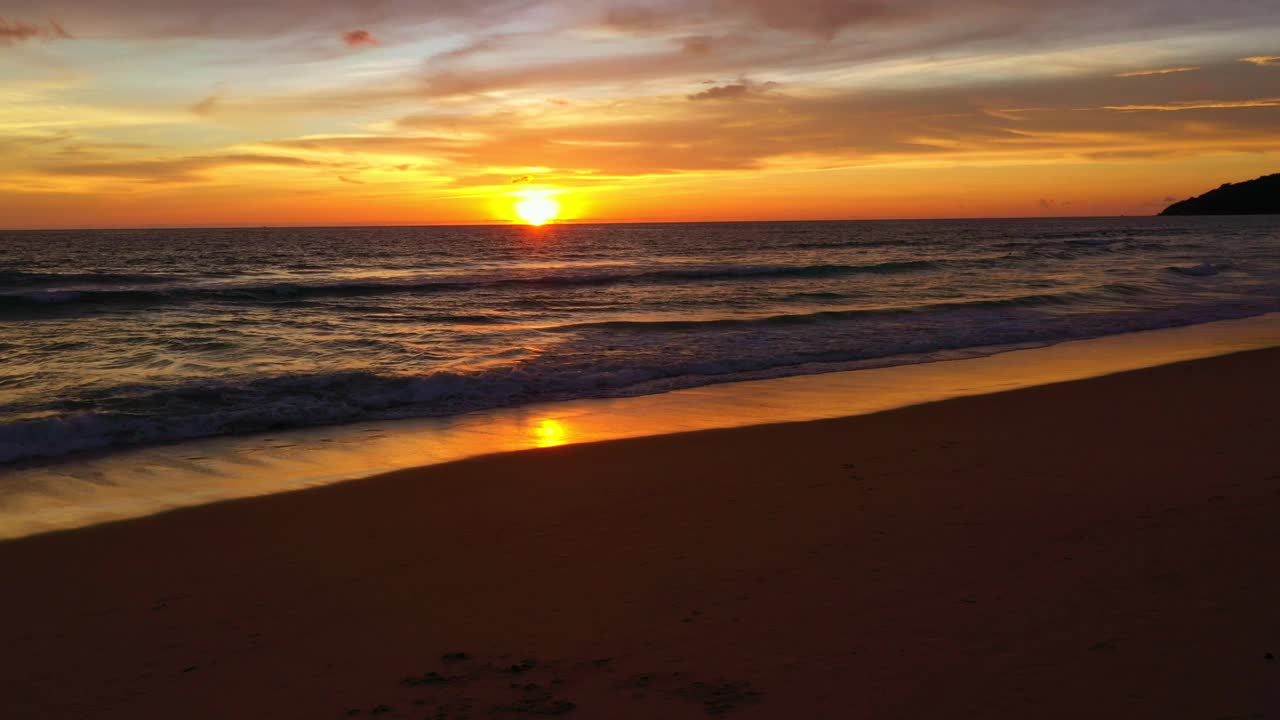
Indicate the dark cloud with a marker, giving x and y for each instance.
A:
(454, 82)
(1107, 155)
(870, 20)
(698, 45)
(733, 91)
(642, 19)
(13, 143)
(185, 169)
(827, 18)
(718, 37)
(351, 181)
(13, 31)
(885, 22)
(356, 38)
(1183, 106)
(185, 18)
(209, 104)
(640, 112)
(820, 17)
(372, 144)
(35, 149)
(1064, 120)
(487, 179)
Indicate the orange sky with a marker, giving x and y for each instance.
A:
(156, 112)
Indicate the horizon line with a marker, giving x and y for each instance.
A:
(564, 222)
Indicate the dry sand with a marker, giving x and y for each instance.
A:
(1100, 548)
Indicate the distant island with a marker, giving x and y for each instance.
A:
(1253, 197)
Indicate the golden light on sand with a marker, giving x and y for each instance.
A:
(537, 207)
(550, 432)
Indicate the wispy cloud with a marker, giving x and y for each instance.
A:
(184, 169)
(600, 142)
(193, 18)
(1199, 105)
(208, 105)
(474, 96)
(13, 31)
(733, 91)
(1160, 71)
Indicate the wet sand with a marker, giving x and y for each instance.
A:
(1098, 548)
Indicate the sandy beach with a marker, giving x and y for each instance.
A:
(1097, 548)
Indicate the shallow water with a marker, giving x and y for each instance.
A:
(112, 339)
(86, 490)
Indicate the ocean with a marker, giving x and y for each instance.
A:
(123, 338)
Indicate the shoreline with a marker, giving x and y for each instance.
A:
(1087, 548)
(137, 482)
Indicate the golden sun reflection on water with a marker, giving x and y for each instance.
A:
(550, 432)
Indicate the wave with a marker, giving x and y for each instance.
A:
(1201, 270)
(151, 414)
(1034, 300)
(1098, 235)
(851, 243)
(186, 338)
(631, 363)
(23, 278)
(292, 291)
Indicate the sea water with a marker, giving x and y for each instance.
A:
(123, 338)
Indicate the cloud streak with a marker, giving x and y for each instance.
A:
(1161, 71)
(733, 91)
(13, 31)
(184, 169)
(600, 142)
(1200, 105)
(192, 18)
(208, 105)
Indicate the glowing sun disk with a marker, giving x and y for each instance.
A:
(537, 209)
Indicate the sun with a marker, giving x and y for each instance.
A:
(537, 208)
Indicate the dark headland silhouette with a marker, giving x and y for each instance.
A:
(1253, 197)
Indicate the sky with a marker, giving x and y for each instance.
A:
(131, 113)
